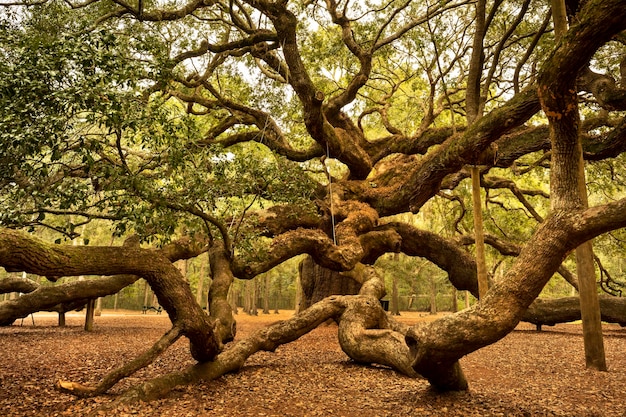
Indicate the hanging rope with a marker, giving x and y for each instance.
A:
(330, 192)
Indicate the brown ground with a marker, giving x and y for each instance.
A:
(526, 374)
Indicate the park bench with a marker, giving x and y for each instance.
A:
(157, 309)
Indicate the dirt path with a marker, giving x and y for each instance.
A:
(526, 374)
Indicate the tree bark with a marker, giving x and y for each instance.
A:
(219, 307)
(20, 252)
(479, 234)
(89, 314)
(549, 312)
(54, 298)
(437, 346)
(395, 298)
(558, 95)
(318, 283)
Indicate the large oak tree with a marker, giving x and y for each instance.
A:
(262, 130)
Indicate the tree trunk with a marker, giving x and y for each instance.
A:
(590, 308)
(98, 310)
(266, 293)
(89, 313)
(318, 283)
(21, 252)
(61, 298)
(218, 305)
(146, 295)
(453, 304)
(395, 300)
(254, 287)
(479, 233)
(567, 185)
(200, 288)
(432, 295)
(279, 294)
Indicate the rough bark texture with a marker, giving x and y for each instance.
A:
(318, 283)
(19, 252)
(219, 307)
(559, 100)
(436, 347)
(52, 298)
(562, 310)
(367, 193)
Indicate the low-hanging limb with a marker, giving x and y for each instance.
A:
(21, 252)
(366, 334)
(233, 358)
(437, 347)
(124, 371)
(17, 284)
(562, 310)
(45, 298)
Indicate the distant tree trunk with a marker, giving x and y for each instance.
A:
(182, 267)
(395, 302)
(479, 233)
(250, 297)
(254, 311)
(266, 293)
(89, 313)
(246, 298)
(433, 295)
(318, 283)
(200, 289)
(98, 310)
(115, 300)
(146, 295)
(453, 305)
(299, 298)
(233, 296)
(279, 293)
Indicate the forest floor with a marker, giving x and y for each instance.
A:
(528, 373)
